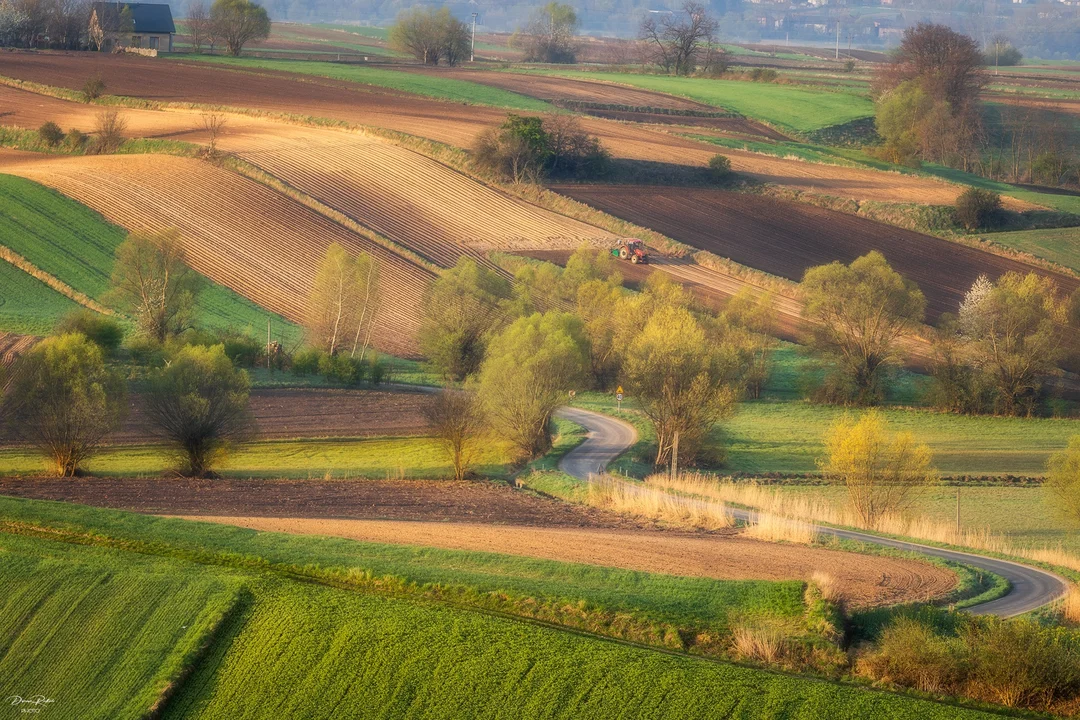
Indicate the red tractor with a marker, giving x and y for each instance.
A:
(631, 249)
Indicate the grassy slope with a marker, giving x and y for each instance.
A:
(304, 650)
(76, 245)
(1058, 245)
(408, 457)
(437, 87)
(101, 633)
(784, 106)
(28, 305)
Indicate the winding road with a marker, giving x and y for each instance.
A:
(1031, 587)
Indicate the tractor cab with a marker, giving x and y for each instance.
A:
(631, 249)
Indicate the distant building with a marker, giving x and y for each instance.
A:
(139, 25)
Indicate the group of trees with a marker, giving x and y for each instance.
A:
(75, 25)
(522, 346)
(929, 109)
(680, 42)
(530, 148)
(65, 397)
(431, 35)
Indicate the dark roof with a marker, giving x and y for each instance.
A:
(148, 17)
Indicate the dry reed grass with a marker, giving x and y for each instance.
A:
(1070, 606)
(652, 504)
(771, 502)
(760, 644)
(829, 586)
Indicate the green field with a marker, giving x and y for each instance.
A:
(461, 91)
(100, 633)
(786, 107)
(27, 305)
(76, 245)
(1058, 245)
(302, 649)
(406, 457)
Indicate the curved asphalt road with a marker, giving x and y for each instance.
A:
(1031, 588)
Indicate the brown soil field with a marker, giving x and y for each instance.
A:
(311, 413)
(13, 345)
(237, 232)
(423, 205)
(491, 517)
(451, 123)
(867, 581)
(785, 238)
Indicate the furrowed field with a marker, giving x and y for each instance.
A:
(28, 305)
(74, 244)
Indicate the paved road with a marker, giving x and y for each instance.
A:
(1031, 588)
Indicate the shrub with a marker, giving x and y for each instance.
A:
(977, 208)
(145, 350)
(75, 139)
(765, 75)
(306, 361)
(93, 88)
(50, 134)
(243, 350)
(911, 654)
(849, 66)
(1019, 663)
(720, 167)
(103, 331)
(110, 132)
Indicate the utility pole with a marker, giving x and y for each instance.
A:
(957, 511)
(472, 52)
(268, 318)
(675, 457)
(838, 38)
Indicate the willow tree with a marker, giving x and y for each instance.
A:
(152, 282)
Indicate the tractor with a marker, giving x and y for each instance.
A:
(631, 249)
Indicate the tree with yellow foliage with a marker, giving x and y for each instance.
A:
(882, 471)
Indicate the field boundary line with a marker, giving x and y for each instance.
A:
(52, 281)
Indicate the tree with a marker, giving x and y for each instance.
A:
(956, 386)
(549, 36)
(679, 41)
(881, 471)
(366, 271)
(1000, 52)
(341, 308)
(1063, 480)
(463, 307)
(198, 403)
(754, 314)
(857, 313)
(431, 35)
(198, 21)
(152, 282)
(13, 21)
(95, 33)
(103, 331)
(678, 379)
(977, 208)
(528, 370)
(66, 401)
(457, 420)
(109, 134)
(1014, 328)
(238, 22)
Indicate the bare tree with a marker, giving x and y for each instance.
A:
(367, 302)
(152, 282)
(109, 132)
(198, 19)
(213, 123)
(678, 41)
(456, 418)
(549, 36)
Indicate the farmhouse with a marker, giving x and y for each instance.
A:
(139, 25)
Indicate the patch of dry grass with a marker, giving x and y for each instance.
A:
(655, 504)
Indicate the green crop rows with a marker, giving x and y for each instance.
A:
(28, 305)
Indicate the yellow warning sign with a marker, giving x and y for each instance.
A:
(619, 390)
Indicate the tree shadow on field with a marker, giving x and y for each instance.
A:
(652, 172)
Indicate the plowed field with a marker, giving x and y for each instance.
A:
(237, 232)
(445, 122)
(784, 238)
(12, 346)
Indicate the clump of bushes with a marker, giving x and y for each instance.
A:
(764, 75)
(720, 167)
(109, 134)
(978, 209)
(103, 331)
(51, 134)
(340, 369)
(93, 88)
(1015, 663)
(530, 148)
(76, 139)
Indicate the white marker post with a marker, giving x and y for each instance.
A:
(618, 397)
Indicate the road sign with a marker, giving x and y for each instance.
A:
(619, 391)
(618, 396)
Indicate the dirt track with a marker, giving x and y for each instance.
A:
(490, 517)
(786, 238)
(868, 581)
